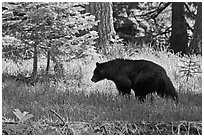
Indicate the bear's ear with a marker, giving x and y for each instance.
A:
(97, 64)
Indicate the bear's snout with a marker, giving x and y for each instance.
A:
(93, 80)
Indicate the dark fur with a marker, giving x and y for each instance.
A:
(142, 76)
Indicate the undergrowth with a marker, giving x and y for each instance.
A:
(75, 98)
(79, 106)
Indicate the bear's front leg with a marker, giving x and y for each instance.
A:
(123, 85)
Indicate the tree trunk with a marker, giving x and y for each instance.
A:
(48, 62)
(35, 62)
(104, 13)
(179, 37)
(196, 43)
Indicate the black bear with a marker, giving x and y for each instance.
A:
(142, 76)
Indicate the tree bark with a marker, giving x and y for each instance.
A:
(104, 13)
(48, 62)
(179, 37)
(35, 62)
(196, 43)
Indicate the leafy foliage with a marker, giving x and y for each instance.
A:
(62, 28)
(190, 67)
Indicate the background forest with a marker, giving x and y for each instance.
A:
(49, 52)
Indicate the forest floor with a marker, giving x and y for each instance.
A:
(75, 105)
(104, 128)
(55, 112)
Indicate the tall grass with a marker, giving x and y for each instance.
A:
(79, 106)
(76, 98)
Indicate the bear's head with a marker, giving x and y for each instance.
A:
(98, 73)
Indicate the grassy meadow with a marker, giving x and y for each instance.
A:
(76, 98)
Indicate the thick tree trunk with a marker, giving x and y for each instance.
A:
(179, 37)
(104, 13)
(196, 43)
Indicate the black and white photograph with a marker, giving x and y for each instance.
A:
(101, 68)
